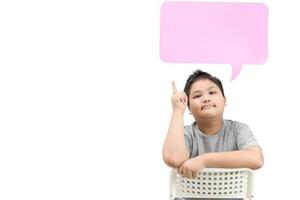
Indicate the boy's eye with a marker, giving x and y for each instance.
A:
(212, 92)
(197, 96)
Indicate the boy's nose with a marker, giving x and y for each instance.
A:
(205, 99)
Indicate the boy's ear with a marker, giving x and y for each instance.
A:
(225, 102)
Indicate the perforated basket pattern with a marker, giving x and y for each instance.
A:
(214, 183)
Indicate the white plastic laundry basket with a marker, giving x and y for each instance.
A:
(214, 183)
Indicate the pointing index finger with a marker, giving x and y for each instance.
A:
(174, 87)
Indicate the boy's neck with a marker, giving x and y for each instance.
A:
(211, 126)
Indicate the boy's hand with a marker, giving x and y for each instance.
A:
(179, 99)
(190, 168)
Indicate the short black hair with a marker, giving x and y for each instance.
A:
(197, 75)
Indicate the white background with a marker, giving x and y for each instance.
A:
(85, 100)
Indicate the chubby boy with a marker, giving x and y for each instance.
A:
(210, 141)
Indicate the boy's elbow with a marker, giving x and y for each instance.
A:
(172, 161)
(258, 162)
(258, 159)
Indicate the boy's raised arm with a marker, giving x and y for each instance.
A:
(174, 149)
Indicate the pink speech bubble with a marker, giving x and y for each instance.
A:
(217, 33)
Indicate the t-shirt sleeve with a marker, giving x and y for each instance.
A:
(188, 139)
(244, 136)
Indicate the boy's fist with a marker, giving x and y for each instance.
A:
(190, 168)
(179, 99)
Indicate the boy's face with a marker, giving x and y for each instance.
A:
(206, 100)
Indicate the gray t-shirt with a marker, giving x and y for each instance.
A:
(233, 136)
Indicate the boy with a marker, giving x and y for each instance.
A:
(210, 141)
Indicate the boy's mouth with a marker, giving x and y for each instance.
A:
(204, 107)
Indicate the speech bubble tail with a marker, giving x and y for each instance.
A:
(236, 69)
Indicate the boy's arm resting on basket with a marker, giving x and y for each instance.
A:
(174, 149)
(251, 157)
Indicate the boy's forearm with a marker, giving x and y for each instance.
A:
(174, 150)
(251, 158)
